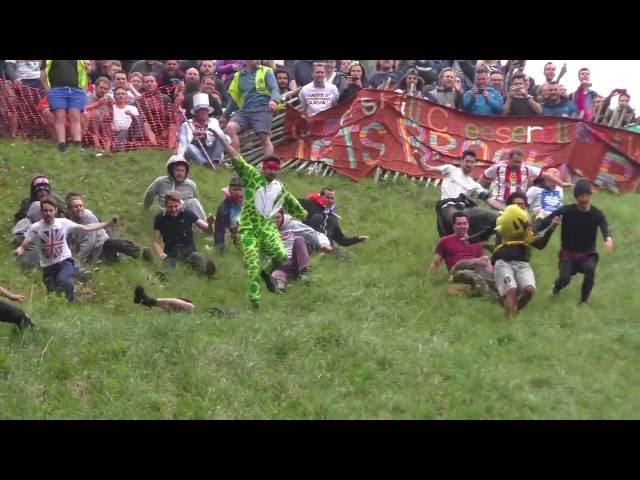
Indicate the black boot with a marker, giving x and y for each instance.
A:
(142, 298)
(268, 281)
(210, 268)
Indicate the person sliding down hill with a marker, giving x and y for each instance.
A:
(264, 195)
(513, 274)
(457, 189)
(173, 305)
(11, 314)
(323, 218)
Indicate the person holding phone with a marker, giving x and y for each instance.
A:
(518, 101)
(584, 97)
(482, 99)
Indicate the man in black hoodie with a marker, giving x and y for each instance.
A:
(580, 222)
(322, 217)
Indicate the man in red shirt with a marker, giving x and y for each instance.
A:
(464, 260)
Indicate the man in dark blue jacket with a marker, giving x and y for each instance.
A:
(228, 214)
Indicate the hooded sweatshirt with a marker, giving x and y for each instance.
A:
(292, 228)
(163, 185)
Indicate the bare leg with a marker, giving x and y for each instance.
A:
(267, 146)
(76, 127)
(525, 297)
(232, 130)
(511, 303)
(168, 304)
(61, 118)
(175, 305)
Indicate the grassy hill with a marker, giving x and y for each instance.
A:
(371, 338)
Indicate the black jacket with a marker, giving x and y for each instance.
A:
(325, 221)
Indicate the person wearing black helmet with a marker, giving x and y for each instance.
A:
(580, 222)
(29, 213)
(175, 181)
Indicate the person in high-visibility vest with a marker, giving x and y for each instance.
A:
(253, 97)
(66, 84)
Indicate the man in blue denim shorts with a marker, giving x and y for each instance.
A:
(66, 82)
(253, 96)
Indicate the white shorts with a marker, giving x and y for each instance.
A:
(513, 274)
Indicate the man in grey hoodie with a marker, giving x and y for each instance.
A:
(175, 181)
(90, 246)
(295, 236)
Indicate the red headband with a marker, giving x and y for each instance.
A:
(271, 164)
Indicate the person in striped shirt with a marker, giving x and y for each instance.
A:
(514, 175)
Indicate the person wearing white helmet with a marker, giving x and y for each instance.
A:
(175, 181)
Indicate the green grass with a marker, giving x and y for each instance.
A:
(374, 338)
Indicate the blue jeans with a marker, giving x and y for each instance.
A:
(193, 153)
(59, 278)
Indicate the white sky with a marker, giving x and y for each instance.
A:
(605, 75)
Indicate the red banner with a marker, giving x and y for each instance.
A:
(382, 129)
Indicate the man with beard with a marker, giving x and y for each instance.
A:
(445, 93)
(158, 109)
(193, 86)
(456, 191)
(171, 75)
(556, 105)
(207, 69)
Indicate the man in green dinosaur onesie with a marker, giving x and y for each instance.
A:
(264, 195)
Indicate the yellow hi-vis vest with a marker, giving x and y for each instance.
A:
(261, 86)
(83, 79)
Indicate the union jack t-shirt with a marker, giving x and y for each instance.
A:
(51, 240)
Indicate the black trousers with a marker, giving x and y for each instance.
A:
(112, 247)
(586, 266)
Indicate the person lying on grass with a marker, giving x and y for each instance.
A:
(175, 305)
(11, 314)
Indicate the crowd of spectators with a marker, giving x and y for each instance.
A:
(83, 103)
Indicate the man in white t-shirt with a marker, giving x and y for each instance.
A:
(123, 115)
(55, 256)
(318, 95)
(514, 175)
(457, 181)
